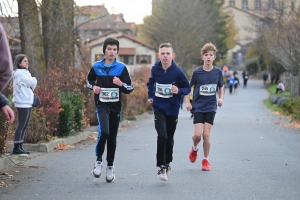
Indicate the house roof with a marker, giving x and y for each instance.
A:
(105, 25)
(120, 35)
(244, 11)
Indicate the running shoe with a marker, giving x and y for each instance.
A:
(193, 155)
(205, 165)
(96, 172)
(110, 174)
(168, 170)
(161, 174)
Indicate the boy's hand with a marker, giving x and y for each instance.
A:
(189, 106)
(220, 102)
(117, 81)
(150, 101)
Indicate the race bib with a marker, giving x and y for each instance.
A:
(109, 95)
(209, 89)
(163, 90)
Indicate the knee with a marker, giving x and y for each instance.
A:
(163, 138)
(196, 137)
(206, 136)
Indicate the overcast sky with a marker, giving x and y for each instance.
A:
(133, 10)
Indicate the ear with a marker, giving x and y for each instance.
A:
(173, 56)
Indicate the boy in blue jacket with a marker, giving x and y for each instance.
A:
(166, 85)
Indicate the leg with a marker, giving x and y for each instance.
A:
(171, 127)
(161, 128)
(114, 121)
(103, 131)
(23, 118)
(206, 139)
(28, 110)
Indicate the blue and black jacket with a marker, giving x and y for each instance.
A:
(102, 75)
(173, 75)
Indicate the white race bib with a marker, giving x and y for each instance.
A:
(208, 90)
(109, 95)
(163, 90)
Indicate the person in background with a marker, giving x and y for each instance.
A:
(280, 87)
(265, 78)
(23, 87)
(245, 79)
(166, 84)
(207, 81)
(236, 83)
(108, 78)
(230, 82)
(6, 70)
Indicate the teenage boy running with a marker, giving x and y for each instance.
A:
(108, 78)
(166, 85)
(207, 81)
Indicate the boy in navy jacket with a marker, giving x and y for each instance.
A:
(166, 85)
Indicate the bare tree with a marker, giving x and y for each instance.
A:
(31, 40)
(58, 32)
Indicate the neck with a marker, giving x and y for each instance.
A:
(109, 61)
(207, 67)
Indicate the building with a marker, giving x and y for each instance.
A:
(133, 52)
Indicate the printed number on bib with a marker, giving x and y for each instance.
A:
(163, 90)
(209, 89)
(109, 95)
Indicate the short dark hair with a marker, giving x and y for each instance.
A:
(110, 41)
(162, 45)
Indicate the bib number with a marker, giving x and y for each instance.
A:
(163, 90)
(109, 95)
(208, 90)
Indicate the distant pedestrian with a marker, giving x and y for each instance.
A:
(230, 82)
(280, 87)
(23, 87)
(166, 84)
(207, 80)
(265, 78)
(236, 83)
(245, 79)
(6, 69)
(108, 78)
(272, 78)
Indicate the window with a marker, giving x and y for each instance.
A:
(98, 57)
(143, 59)
(245, 5)
(257, 4)
(271, 5)
(127, 59)
(232, 3)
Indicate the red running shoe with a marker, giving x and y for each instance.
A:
(205, 165)
(193, 155)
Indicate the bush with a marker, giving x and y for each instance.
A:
(292, 107)
(70, 118)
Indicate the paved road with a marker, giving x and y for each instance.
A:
(253, 156)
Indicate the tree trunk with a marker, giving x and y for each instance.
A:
(31, 40)
(58, 32)
(295, 86)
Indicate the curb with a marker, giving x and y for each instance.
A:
(6, 161)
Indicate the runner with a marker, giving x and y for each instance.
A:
(207, 80)
(166, 85)
(108, 78)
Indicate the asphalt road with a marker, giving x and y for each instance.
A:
(254, 155)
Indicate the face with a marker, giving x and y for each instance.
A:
(24, 63)
(208, 57)
(166, 55)
(111, 52)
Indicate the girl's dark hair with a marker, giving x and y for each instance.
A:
(18, 59)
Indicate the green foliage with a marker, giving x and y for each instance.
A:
(268, 103)
(272, 90)
(172, 20)
(71, 116)
(292, 107)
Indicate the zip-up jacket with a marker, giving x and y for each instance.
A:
(173, 75)
(102, 75)
(23, 86)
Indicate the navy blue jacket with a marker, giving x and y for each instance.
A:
(102, 75)
(173, 75)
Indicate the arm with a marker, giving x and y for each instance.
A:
(90, 80)
(150, 85)
(8, 112)
(125, 83)
(221, 96)
(184, 87)
(6, 66)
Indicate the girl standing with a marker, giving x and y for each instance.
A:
(23, 86)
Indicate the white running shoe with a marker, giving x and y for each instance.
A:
(161, 174)
(96, 172)
(168, 170)
(110, 174)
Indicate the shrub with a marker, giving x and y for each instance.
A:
(292, 107)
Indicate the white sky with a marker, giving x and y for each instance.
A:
(132, 10)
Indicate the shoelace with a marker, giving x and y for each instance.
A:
(161, 170)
